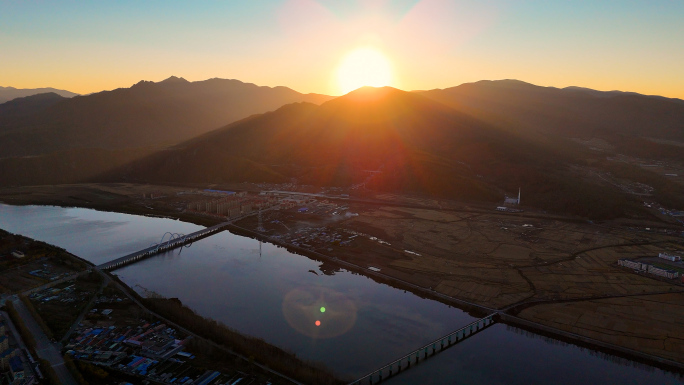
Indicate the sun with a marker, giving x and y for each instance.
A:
(364, 67)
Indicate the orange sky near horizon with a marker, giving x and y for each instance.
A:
(301, 43)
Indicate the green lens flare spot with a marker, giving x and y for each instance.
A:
(322, 309)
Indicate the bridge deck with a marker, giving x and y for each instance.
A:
(171, 244)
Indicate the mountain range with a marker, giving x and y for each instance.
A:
(472, 142)
(572, 112)
(145, 114)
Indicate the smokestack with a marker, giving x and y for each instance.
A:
(518, 195)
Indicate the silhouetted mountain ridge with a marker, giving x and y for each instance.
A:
(147, 113)
(569, 112)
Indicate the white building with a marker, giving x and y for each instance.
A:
(671, 274)
(632, 264)
(18, 254)
(670, 257)
(663, 272)
(512, 201)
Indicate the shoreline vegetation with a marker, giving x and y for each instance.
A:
(256, 349)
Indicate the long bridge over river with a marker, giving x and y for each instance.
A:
(174, 241)
(424, 352)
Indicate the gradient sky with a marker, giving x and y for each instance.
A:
(89, 46)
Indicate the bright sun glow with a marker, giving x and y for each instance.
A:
(364, 67)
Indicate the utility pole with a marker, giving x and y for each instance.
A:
(260, 225)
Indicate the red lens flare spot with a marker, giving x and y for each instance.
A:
(303, 309)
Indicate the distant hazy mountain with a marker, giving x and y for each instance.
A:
(569, 112)
(9, 93)
(146, 114)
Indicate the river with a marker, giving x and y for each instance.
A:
(347, 321)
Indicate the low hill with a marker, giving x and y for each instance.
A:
(145, 114)
(19, 109)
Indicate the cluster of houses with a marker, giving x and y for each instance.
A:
(12, 369)
(231, 205)
(151, 352)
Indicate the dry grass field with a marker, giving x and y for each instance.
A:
(652, 323)
(595, 273)
(501, 259)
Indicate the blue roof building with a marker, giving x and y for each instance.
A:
(16, 368)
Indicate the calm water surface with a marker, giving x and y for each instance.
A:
(351, 323)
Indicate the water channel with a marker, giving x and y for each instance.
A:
(347, 321)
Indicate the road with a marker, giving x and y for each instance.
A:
(45, 349)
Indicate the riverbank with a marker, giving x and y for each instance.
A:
(127, 198)
(473, 309)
